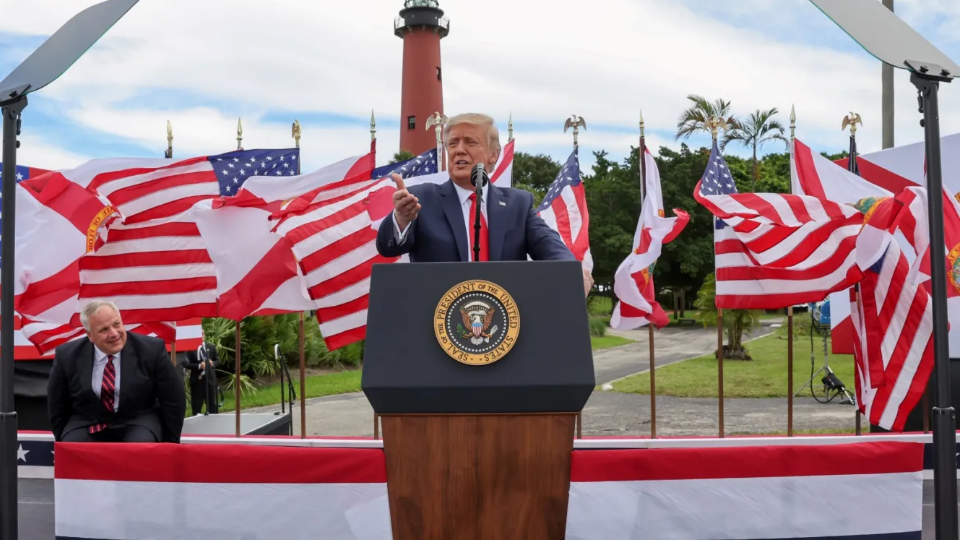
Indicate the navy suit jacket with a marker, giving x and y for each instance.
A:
(438, 233)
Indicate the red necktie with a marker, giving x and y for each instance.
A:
(484, 247)
(107, 389)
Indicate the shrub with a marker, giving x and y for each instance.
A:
(598, 326)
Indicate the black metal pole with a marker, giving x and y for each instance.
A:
(8, 416)
(476, 222)
(944, 416)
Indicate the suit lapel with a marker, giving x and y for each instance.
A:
(496, 221)
(128, 366)
(454, 213)
(85, 366)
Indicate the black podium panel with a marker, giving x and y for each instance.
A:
(549, 368)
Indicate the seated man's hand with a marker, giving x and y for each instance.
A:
(587, 282)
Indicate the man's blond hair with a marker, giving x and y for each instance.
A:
(477, 119)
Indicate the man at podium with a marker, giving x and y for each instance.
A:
(436, 222)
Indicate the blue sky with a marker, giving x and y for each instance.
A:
(271, 62)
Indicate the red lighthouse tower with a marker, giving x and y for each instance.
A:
(421, 25)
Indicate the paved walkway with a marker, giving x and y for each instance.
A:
(610, 413)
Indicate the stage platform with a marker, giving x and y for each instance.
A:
(225, 424)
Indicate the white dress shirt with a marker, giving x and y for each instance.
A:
(99, 364)
(468, 217)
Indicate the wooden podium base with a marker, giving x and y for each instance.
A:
(478, 477)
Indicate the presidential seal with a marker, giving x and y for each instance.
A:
(477, 322)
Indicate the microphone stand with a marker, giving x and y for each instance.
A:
(478, 177)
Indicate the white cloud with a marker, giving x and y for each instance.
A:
(34, 152)
(614, 58)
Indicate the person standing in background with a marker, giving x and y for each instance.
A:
(202, 365)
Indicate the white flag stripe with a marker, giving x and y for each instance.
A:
(348, 294)
(148, 245)
(342, 264)
(160, 198)
(325, 237)
(344, 324)
(328, 210)
(576, 221)
(167, 301)
(146, 273)
(109, 188)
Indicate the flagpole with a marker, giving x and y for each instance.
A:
(437, 121)
(169, 155)
(852, 120)
(236, 376)
(653, 363)
(713, 123)
(510, 128)
(373, 133)
(576, 122)
(303, 360)
(373, 148)
(793, 128)
(856, 291)
(169, 152)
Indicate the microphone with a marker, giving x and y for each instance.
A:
(479, 175)
(479, 178)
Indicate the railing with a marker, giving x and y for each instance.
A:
(421, 20)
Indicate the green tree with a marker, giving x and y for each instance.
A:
(613, 199)
(402, 155)
(736, 322)
(685, 262)
(534, 173)
(757, 130)
(694, 119)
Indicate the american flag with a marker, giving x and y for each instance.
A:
(154, 263)
(564, 209)
(775, 250)
(334, 238)
(893, 320)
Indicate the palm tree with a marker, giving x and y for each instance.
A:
(758, 129)
(695, 118)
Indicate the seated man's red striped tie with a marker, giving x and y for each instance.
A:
(107, 390)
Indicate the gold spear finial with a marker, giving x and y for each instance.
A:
(851, 120)
(169, 153)
(295, 131)
(239, 134)
(510, 127)
(373, 126)
(641, 122)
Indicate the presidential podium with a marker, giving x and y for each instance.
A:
(478, 371)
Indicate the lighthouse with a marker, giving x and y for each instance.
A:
(421, 25)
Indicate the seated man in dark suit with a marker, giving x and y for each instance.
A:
(114, 386)
(435, 222)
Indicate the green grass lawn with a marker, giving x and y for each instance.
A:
(346, 381)
(608, 341)
(317, 386)
(765, 376)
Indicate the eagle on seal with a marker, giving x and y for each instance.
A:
(476, 324)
